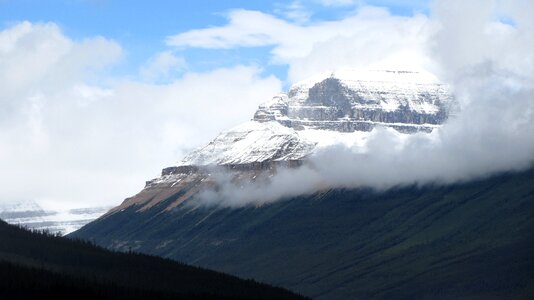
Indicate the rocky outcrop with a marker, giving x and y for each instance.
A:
(259, 165)
(352, 101)
(345, 101)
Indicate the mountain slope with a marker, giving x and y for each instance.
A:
(463, 241)
(42, 266)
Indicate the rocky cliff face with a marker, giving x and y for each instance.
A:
(350, 101)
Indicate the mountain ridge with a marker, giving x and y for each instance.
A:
(348, 101)
(31, 215)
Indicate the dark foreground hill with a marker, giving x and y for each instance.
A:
(42, 266)
(465, 241)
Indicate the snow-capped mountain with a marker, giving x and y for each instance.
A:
(351, 100)
(291, 125)
(21, 209)
(253, 141)
(342, 106)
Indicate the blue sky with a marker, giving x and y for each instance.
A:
(141, 27)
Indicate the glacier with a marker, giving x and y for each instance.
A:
(31, 215)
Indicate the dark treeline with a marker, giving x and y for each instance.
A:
(39, 265)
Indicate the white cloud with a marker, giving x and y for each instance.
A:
(337, 2)
(245, 28)
(70, 135)
(369, 37)
(162, 66)
(33, 53)
(295, 11)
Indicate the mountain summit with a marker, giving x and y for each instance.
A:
(291, 125)
(332, 107)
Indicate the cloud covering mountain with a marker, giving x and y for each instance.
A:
(490, 67)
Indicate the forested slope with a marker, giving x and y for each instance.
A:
(43, 266)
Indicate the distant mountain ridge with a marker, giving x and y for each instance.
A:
(32, 216)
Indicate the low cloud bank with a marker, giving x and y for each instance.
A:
(490, 65)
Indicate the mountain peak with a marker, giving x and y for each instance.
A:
(339, 107)
(344, 101)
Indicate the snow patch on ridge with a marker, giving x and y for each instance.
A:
(251, 142)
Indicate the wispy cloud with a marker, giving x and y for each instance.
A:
(295, 11)
(369, 36)
(337, 2)
(163, 66)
